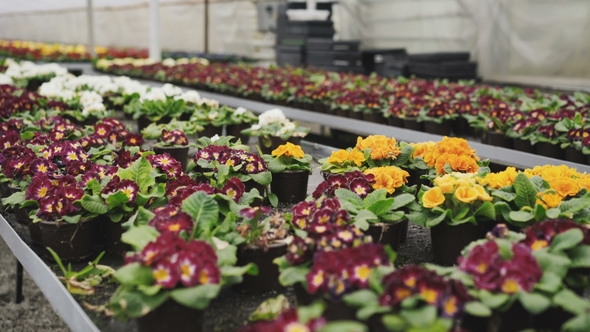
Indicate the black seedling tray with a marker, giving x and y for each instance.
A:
(439, 57)
(323, 44)
(337, 59)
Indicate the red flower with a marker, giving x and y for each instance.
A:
(166, 274)
(171, 221)
(39, 188)
(234, 188)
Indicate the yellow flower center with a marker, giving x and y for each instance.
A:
(161, 274)
(204, 278)
(174, 227)
(296, 327)
(363, 272)
(43, 192)
(510, 286)
(429, 295)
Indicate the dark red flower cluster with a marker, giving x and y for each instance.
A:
(127, 187)
(493, 273)
(173, 260)
(449, 296)
(124, 158)
(171, 219)
(174, 137)
(307, 214)
(342, 271)
(111, 131)
(287, 321)
(356, 181)
(17, 160)
(233, 188)
(540, 235)
(164, 162)
(14, 100)
(326, 237)
(239, 160)
(56, 196)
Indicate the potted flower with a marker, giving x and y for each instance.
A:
(521, 133)
(265, 237)
(341, 161)
(238, 120)
(437, 117)
(455, 209)
(290, 167)
(274, 129)
(212, 117)
(155, 108)
(412, 298)
(175, 144)
(574, 134)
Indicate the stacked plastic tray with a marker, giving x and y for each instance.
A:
(452, 66)
(339, 56)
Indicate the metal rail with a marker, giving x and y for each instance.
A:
(60, 299)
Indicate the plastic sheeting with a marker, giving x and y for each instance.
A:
(520, 37)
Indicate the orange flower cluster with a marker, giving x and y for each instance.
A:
(289, 150)
(563, 180)
(500, 179)
(453, 151)
(342, 156)
(388, 177)
(381, 147)
(462, 186)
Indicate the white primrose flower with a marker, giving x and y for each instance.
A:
(169, 62)
(89, 98)
(190, 96)
(272, 116)
(215, 138)
(171, 90)
(93, 108)
(240, 111)
(153, 94)
(212, 115)
(5, 79)
(210, 102)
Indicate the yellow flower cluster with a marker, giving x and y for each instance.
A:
(342, 156)
(453, 151)
(463, 186)
(48, 49)
(563, 180)
(289, 150)
(381, 147)
(388, 177)
(499, 179)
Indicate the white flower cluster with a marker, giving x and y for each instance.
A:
(190, 96)
(169, 62)
(275, 116)
(5, 79)
(28, 69)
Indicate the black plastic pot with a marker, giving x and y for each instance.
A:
(268, 272)
(35, 233)
(210, 131)
(460, 126)
(403, 233)
(448, 241)
(498, 139)
(302, 297)
(394, 121)
(413, 124)
(523, 145)
(290, 186)
(179, 153)
(319, 107)
(442, 129)
(355, 115)
(34, 84)
(386, 234)
(21, 215)
(574, 155)
(515, 319)
(72, 242)
(236, 131)
(112, 232)
(376, 117)
(339, 311)
(171, 317)
(550, 150)
(342, 113)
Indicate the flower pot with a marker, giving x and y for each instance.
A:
(403, 232)
(290, 186)
(90, 121)
(72, 242)
(268, 272)
(385, 233)
(394, 121)
(34, 84)
(180, 153)
(171, 316)
(339, 311)
(523, 145)
(376, 117)
(210, 131)
(413, 124)
(235, 130)
(302, 297)
(460, 126)
(574, 155)
(498, 139)
(551, 319)
(143, 121)
(355, 115)
(35, 234)
(342, 113)
(442, 129)
(550, 150)
(319, 107)
(448, 241)
(5, 189)
(112, 232)
(21, 215)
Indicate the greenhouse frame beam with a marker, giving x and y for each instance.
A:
(155, 44)
(90, 18)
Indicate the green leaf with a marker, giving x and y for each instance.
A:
(234, 271)
(139, 172)
(566, 240)
(276, 165)
(521, 216)
(14, 199)
(127, 302)
(369, 311)
(263, 178)
(580, 256)
(534, 303)
(134, 274)
(94, 186)
(273, 199)
(375, 196)
(419, 218)
(115, 200)
(94, 204)
(493, 301)
(571, 302)
(421, 317)
(347, 195)
(270, 309)
(477, 309)
(312, 311)
(72, 219)
(552, 262)
(394, 323)
(227, 256)
(487, 210)
(379, 208)
(203, 209)
(143, 216)
(580, 323)
(526, 194)
(508, 197)
(138, 237)
(575, 204)
(293, 275)
(437, 220)
(402, 200)
(361, 298)
(344, 326)
(196, 297)
(149, 290)
(550, 282)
